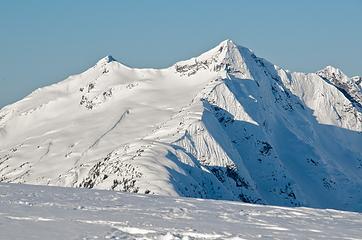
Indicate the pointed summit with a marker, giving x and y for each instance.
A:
(350, 87)
(234, 58)
(224, 47)
(225, 58)
(227, 43)
(332, 74)
(105, 60)
(331, 70)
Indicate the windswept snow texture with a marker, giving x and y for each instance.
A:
(40, 212)
(224, 125)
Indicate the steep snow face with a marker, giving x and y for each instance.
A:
(224, 125)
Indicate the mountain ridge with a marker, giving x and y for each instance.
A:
(224, 125)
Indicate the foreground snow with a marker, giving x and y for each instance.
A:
(40, 212)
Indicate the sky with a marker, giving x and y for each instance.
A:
(43, 42)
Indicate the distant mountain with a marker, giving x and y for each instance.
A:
(350, 87)
(224, 125)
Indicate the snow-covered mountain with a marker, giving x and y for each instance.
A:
(224, 125)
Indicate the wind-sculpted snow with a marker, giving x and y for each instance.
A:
(225, 125)
(39, 212)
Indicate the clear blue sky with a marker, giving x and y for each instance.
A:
(42, 42)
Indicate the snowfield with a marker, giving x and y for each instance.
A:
(41, 212)
(224, 125)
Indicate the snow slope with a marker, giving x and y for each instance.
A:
(39, 212)
(224, 125)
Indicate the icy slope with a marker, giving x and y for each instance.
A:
(38, 212)
(224, 125)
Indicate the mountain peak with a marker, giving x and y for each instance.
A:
(331, 69)
(332, 73)
(350, 87)
(226, 57)
(227, 43)
(105, 60)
